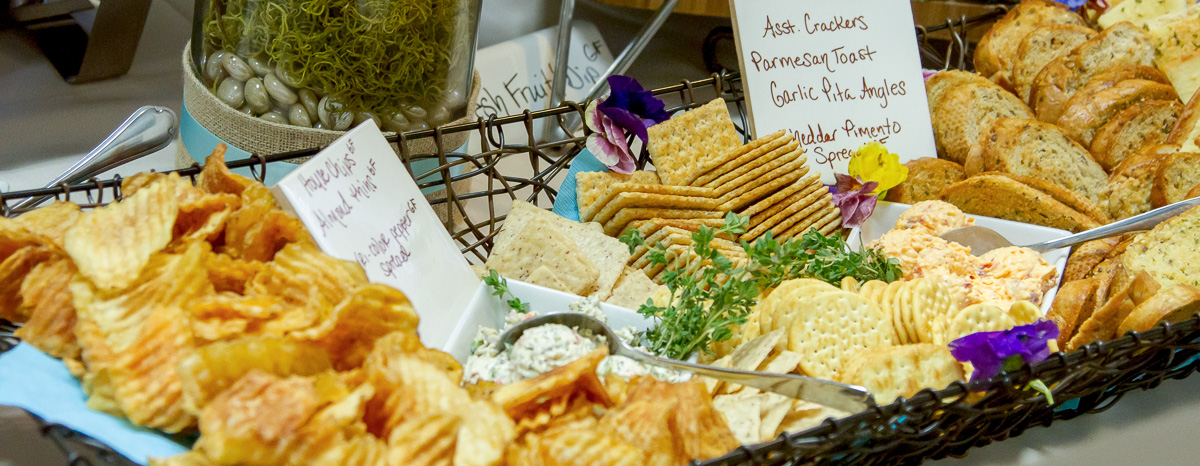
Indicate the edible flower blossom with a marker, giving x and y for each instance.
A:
(1006, 350)
(628, 111)
(1072, 4)
(873, 162)
(853, 197)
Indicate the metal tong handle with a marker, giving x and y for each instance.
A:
(835, 395)
(1141, 222)
(147, 130)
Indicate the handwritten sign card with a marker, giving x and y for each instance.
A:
(361, 205)
(836, 75)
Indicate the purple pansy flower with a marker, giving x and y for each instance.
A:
(991, 352)
(628, 110)
(854, 199)
(1073, 4)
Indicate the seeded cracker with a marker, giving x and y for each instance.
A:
(541, 244)
(633, 289)
(735, 158)
(769, 183)
(589, 186)
(687, 142)
(751, 179)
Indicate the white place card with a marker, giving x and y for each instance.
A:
(362, 205)
(836, 74)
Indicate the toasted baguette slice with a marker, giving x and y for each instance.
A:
(1168, 252)
(1103, 323)
(1068, 305)
(994, 195)
(1120, 45)
(1147, 123)
(1086, 257)
(1032, 148)
(1071, 199)
(1129, 185)
(961, 113)
(1177, 175)
(1177, 37)
(927, 177)
(1138, 12)
(1174, 304)
(937, 84)
(997, 50)
(1186, 132)
(1085, 114)
(1042, 46)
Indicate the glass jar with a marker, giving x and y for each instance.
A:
(332, 64)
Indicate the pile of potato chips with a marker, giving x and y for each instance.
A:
(206, 308)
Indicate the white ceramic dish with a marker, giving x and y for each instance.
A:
(489, 310)
(886, 213)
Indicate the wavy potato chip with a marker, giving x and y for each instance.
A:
(211, 369)
(14, 236)
(13, 270)
(144, 379)
(424, 440)
(350, 331)
(229, 274)
(526, 396)
(675, 418)
(580, 444)
(304, 276)
(258, 419)
(110, 245)
(46, 300)
(216, 178)
(51, 221)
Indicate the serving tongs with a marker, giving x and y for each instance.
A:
(848, 398)
(147, 130)
(983, 239)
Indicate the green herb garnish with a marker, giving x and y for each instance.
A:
(500, 288)
(709, 295)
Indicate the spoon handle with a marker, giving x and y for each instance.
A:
(148, 129)
(1141, 222)
(835, 395)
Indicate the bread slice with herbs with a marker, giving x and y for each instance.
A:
(1143, 124)
(996, 54)
(1084, 115)
(1132, 180)
(1169, 252)
(937, 84)
(994, 195)
(1039, 150)
(1123, 44)
(1071, 199)
(1177, 175)
(1042, 46)
(927, 177)
(1186, 132)
(1177, 38)
(963, 112)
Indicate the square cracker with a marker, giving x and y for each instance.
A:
(682, 145)
(651, 226)
(543, 276)
(820, 218)
(769, 202)
(617, 224)
(765, 158)
(589, 186)
(762, 187)
(734, 158)
(616, 189)
(669, 235)
(637, 199)
(800, 210)
(749, 179)
(808, 185)
(542, 244)
(609, 255)
(633, 289)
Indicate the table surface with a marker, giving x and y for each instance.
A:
(41, 119)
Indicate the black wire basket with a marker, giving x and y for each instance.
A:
(512, 164)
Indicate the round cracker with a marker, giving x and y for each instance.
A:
(850, 284)
(978, 318)
(930, 299)
(796, 295)
(887, 301)
(831, 328)
(868, 289)
(1025, 312)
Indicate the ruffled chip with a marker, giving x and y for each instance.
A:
(211, 369)
(111, 244)
(424, 440)
(13, 270)
(350, 331)
(677, 418)
(304, 276)
(524, 397)
(215, 177)
(580, 444)
(51, 221)
(46, 299)
(144, 379)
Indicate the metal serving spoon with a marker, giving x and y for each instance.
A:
(148, 129)
(983, 239)
(835, 395)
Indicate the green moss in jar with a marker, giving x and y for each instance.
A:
(376, 55)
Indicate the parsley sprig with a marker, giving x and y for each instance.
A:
(500, 288)
(709, 295)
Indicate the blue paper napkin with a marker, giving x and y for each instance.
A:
(34, 381)
(566, 205)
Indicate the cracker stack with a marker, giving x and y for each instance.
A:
(702, 172)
